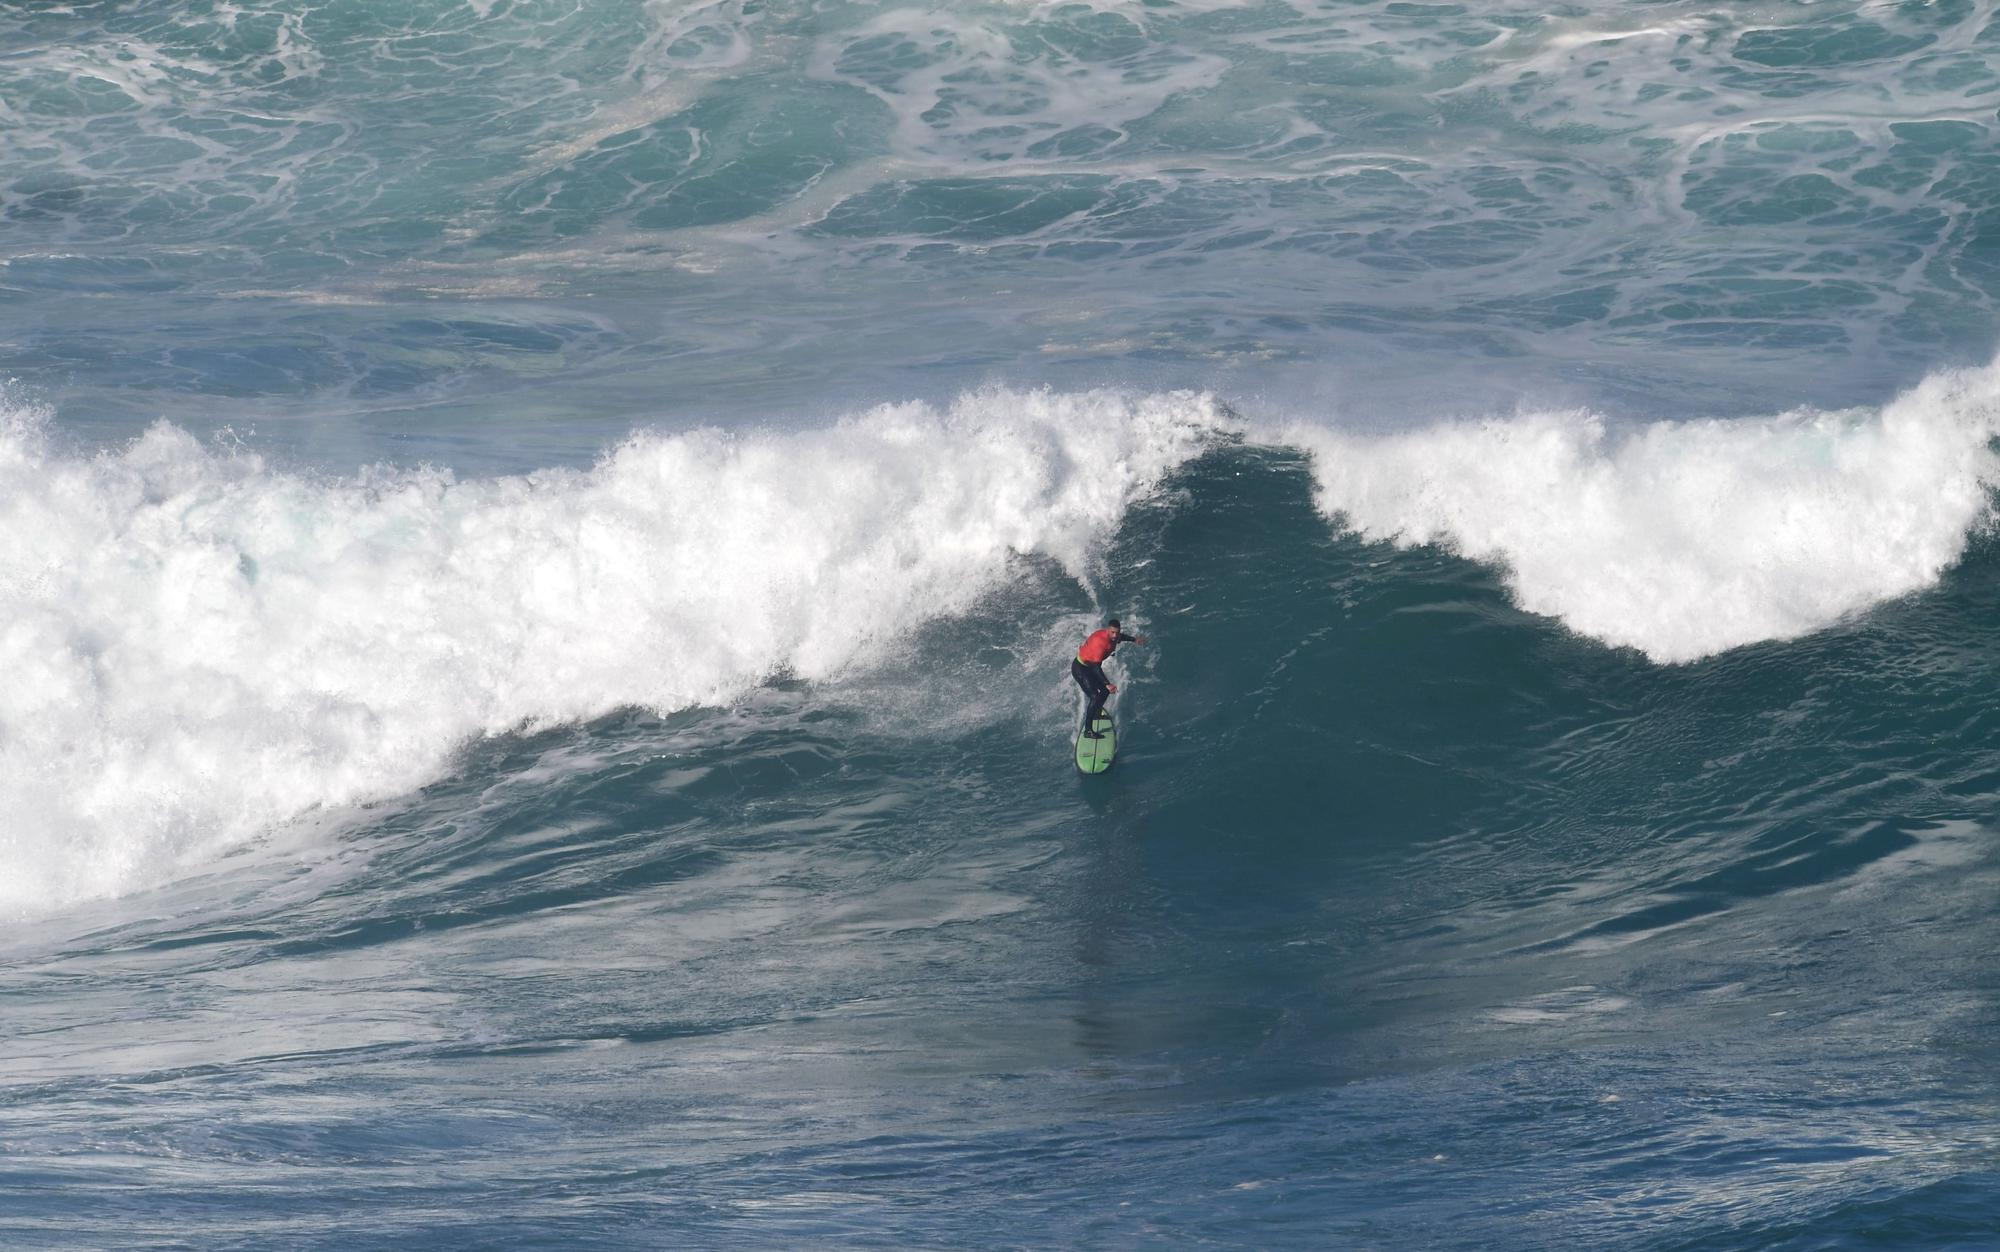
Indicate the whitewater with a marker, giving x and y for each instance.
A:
(540, 544)
(203, 647)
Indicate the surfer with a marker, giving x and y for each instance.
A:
(1088, 670)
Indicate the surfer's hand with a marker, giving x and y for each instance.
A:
(1139, 639)
(1111, 686)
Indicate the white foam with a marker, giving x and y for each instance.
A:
(1684, 539)
(197, 646)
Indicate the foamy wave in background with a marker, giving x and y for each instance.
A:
(1683, 539)
(198, 646)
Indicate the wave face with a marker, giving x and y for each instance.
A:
(540, 542)
(205, 647)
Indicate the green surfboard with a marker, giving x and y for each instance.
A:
(1093, 756)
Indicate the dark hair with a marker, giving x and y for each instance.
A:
(1112, 622)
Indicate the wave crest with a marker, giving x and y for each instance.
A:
(1683, 539)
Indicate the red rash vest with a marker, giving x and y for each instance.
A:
(1098, 646)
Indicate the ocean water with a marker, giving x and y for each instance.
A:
(540, 542)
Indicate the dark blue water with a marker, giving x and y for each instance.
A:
(540, 544)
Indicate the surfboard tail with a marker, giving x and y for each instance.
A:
(1094, 755)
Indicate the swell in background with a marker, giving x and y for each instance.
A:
(493, 233)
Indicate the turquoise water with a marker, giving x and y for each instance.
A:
(543, 542)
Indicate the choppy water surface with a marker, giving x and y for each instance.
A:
(424, 220)
(541, 542)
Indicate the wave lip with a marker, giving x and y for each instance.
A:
(1684, 539)
(201, 646)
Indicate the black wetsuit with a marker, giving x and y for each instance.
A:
(1089, 675)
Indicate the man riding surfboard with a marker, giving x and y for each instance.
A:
(1088, 670)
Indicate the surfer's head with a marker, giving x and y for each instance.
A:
(1113, 623)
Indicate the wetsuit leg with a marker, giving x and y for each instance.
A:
(1095, 685)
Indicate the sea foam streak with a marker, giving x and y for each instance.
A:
(198, 646)
(1682, 539)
